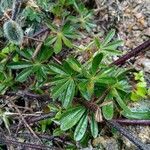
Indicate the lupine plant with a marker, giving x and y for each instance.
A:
(83, 93)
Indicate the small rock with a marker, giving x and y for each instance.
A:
(106, 143)
(147, 31)
(146, 65)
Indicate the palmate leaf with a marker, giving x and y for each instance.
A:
(81, 128)
(71, 117)
(66, 86)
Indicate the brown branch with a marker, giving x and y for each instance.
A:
(40, 32)
(38, 48)
(48, 137)
(121, 61)
(22, 144)
(133, 122)
(34, 39)
(34, 120)
(22, 118)
(88, 104)
(127, 134)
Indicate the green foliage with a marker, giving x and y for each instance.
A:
(71, 117)
(13, 32)
(76, 87)
(30, 67)
(6, 81)
(31, 15)
(61, 35)
(4, 5)
(84, 19)
(5, 119)
(141, 90)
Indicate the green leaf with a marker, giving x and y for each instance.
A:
(69, 95)
(137, 114)
(90, 87)
(45, 53)
(106, 80)
(71, 117)
(56, 69)
(59, 80)
(74, 64)
(113, 52)
(141, 91)
(83, 89)
(135, 96)
(81, 128)
(120, 101)
(22, 76)
(27, 53)
(59, 89)
(96, 61)
(108, 38)
(113, 45)
(93, 126)
(67, 42)
(108, 111)
(67, 68)
(58, 44)
(97, 42)
(19, 65)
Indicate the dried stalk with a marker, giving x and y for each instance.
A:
(34, 120)
(127, 134)
(40, 32)
(38, 48)
(133, 122)
(121, 61)
(22, 118)
(27, 145)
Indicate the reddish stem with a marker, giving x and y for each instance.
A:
(121, 61)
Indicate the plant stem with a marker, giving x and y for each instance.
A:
(127, 134)
(133, 122)
(121, 61)
(22, 144)
(38, 48)
(40, 32)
